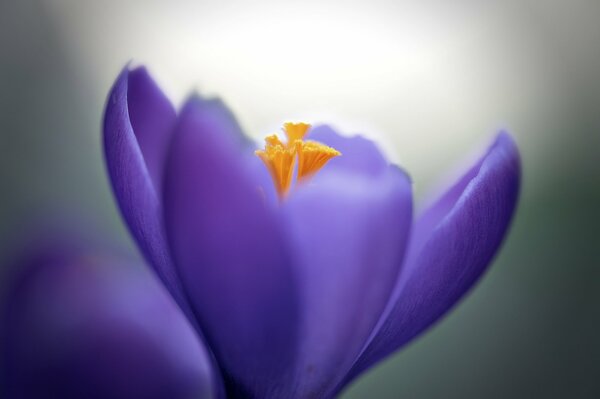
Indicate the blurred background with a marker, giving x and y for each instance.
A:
(431, 81)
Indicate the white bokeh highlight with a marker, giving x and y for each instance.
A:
(429, 81)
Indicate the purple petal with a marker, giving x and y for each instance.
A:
(87, 326)
(348, 234)
(359, 155)
(152, 117)
(451, 245)
(230, 251)
(129, 171)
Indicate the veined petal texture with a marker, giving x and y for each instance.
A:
(230, 252)
(348, 232)
(452, 244)
(137, 127)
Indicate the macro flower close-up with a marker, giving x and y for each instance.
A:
(298, 275)
(299, 199)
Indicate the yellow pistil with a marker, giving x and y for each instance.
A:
(295, 131)
(280, 158)
(312, 156)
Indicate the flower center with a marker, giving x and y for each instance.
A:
(280, 158)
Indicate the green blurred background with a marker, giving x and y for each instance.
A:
(430, 80)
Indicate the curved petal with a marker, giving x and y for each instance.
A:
(451, 246)
(229, 251)
(129, 173)
(348, 234)
(152, 117)
(359, 155)
(83, 325)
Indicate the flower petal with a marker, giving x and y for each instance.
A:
(84, 325)
(348, 234)
(129, 171)
(152, 117)
(359, 155)
(229, 250)
(451, 245)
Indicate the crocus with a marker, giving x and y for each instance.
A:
(296, 285)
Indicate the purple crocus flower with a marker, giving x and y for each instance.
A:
(298, 296)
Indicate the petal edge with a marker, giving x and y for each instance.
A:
(229, 251)
(452, 244)
(133, 187)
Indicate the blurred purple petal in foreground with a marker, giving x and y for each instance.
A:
(79, 324)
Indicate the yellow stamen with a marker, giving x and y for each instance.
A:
(279, 161)
(273, 141)
(312, 156)
(280, 158)
(295, 131)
